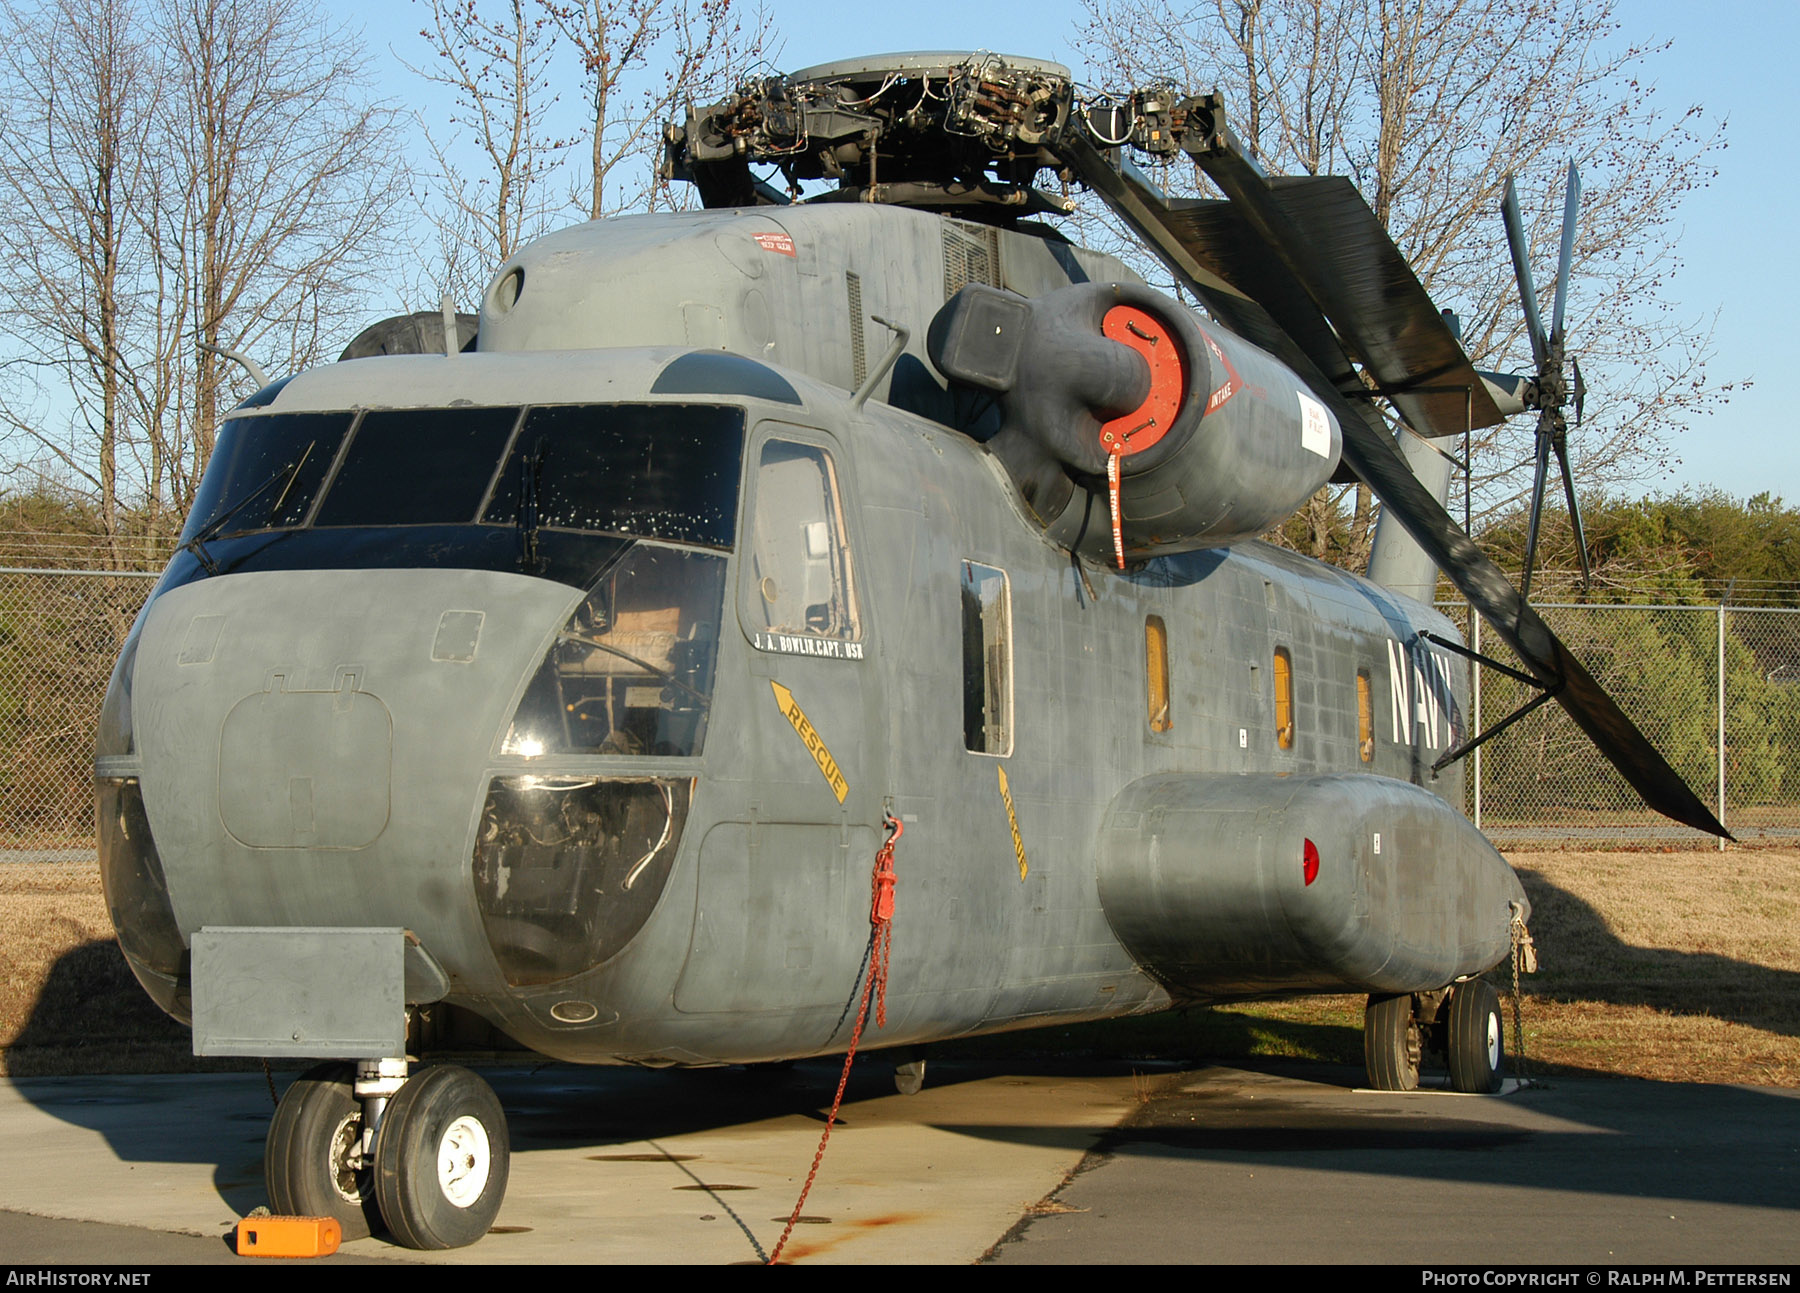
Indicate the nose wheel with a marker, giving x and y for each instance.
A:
(434, 1177)
(313, 1161)
(441, 1159)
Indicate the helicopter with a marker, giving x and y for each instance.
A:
(569, 662)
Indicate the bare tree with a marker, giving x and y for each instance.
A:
(503, 171)
(78, 88)
(681, 51)
(288, 178)
(495, 62)
(1427, 105)
(180, 174)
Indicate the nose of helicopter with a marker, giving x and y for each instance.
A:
(314, 745)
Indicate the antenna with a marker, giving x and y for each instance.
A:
(249, 365)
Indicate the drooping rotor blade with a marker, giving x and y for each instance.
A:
(1521, 258)
(1565, 258)
(1562, 457)
(1545, 430)
(1372, 454)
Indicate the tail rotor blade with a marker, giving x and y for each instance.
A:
(1562, 457)
(1521, 257)
(1537, 500)
(1566, 256)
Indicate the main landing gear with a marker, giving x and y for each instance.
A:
(1461, 1022)
(424, 1157)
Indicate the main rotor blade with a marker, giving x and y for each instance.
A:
(1371, 453)
(1521, 258)
(1542, 470)
(1566, 257)
(1562, 456)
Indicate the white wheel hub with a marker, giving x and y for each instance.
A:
(463, 1161)
(1493, 1041)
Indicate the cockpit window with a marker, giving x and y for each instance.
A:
(802, 576)
(631, 670)
(407, 467)
(265, 472)
(555, 491)
(658, 471)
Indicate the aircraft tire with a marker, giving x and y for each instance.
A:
(1475, 1038)
(441, 1159)
(1391, 1042)
(306, 1157)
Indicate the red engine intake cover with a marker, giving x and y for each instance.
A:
(1151, 420)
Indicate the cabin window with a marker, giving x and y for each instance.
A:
(802, 577)
(1284, 699)
(986, 660)
(1365, 718)
(1156, 671)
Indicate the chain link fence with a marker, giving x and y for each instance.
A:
(1715, 688)
(1737, 745)
(60, 631)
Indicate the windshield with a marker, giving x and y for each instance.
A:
(551, 490)
(265, 472)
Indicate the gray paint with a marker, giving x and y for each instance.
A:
(1202, 878)
(330, 993)
(314, 746)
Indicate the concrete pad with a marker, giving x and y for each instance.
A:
(609, 1165)
(1291, 1165)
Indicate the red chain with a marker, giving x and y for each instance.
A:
(881, 917)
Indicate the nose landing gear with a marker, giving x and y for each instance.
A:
(441, 1159)
(424, 1157)
(313, 1161)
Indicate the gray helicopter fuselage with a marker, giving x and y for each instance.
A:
(622, 777)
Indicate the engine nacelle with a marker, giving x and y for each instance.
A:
(1215, 440)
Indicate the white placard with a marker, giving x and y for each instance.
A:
(1315, 426)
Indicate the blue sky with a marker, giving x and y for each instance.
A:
(1738, 250)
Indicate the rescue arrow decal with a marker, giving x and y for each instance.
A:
(810, 738)
(1012, 820)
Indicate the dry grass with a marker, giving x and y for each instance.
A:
(1676, 966)
(1673, 966)
(68, 1003)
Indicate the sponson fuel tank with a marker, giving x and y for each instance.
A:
(1228, 886)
